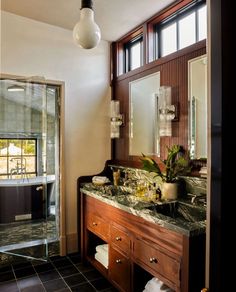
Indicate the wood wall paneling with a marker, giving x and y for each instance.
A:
(174, 72)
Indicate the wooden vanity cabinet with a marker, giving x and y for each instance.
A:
(119, 269)
(137, 244)
(158, 262)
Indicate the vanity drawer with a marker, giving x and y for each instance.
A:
(120, 239)
(119, 269)
(148, 254)
(98, 226)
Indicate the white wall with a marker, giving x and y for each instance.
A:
(31, 48)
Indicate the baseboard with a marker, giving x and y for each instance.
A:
(62, 245)
(72, 243)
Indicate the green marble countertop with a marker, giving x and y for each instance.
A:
(180, 215)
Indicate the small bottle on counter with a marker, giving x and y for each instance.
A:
(116, 177)
(158, 193)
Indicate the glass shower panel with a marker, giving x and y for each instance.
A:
(24, 184)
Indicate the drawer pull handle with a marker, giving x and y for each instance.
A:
(95, 224)
(118, 261)
(118, 238)
(153, 260)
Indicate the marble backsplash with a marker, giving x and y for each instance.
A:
(131, 177)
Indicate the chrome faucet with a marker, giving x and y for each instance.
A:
(20, 168)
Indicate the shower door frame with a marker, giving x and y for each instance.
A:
(61, 85)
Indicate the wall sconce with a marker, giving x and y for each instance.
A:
(167, 111)
(117, 119)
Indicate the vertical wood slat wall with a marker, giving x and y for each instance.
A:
(174, 72)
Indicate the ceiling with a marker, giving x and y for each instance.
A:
(114, 17)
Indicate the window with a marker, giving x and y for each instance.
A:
(17, 158)
(202, 23)
(133, 53)
(187, 35)
(169, 38)
(180, 30)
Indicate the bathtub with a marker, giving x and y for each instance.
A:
(24, 199)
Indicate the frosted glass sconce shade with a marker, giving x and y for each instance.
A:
(167, 111)
(117, 119)
(86, 32)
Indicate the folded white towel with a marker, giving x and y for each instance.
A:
(100, 180)
(101, 259)
(102, 255)
(102, 248)
(156, 285)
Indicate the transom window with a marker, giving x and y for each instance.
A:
(133, 54)
(182, 29)
(18, 158)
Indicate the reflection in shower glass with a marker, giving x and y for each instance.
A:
(29, 168)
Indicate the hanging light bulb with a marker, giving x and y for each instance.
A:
(86, 32)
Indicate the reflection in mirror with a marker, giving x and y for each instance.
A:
(143, 127)
(198, 107)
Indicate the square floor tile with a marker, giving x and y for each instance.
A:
(86, 287)
(7, 276)
(5, 269)
(21, 273)
(62, 263)
(49, 275)
(8, 286)
(36, 288)
(54, 285)
(101, 284)
(56, 258)
(92, 275)
(21, 265)
(74, 280)
(83, 268)
(28, 282)
(44, 267)
(75, 258)
(68, 271)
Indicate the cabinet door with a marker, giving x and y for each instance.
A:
(158, 263)
(119, 270)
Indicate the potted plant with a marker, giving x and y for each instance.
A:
(173, 166)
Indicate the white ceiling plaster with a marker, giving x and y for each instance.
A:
(114, 17)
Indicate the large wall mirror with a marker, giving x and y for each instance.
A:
(143, 116)
(197, 77)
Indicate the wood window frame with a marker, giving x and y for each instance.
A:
(147, 30)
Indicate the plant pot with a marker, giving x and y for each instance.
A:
(169, 191)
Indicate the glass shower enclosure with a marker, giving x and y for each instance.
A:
(29, 167)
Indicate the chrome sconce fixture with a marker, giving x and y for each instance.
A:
(86, 32)
(117, 119)
(167, 111)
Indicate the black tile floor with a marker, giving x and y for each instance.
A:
(58, 274)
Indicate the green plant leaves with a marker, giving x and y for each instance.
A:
(175, 164)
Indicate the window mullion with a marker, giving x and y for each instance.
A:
(197, 24)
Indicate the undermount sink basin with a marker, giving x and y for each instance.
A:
(132, 201)
(180, 210)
